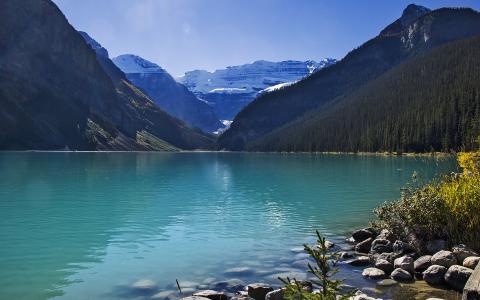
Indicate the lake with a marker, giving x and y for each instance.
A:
(127, 225)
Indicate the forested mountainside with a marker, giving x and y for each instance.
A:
(416, 32)
(55, 94)
(168, 94)
(429, 103)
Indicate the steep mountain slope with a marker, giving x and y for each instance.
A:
(397, 43)
(231, 89)
(429, 103)
(169, 95)
(55, 93)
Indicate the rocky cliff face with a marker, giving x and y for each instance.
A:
(169, 95)
(232, 88)
(56, 94)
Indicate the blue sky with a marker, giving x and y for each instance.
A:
(183, 35)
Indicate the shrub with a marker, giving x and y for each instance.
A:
(448, 208)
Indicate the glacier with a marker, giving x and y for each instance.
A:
(230, 89)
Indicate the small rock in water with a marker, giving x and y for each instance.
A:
(364, 246)
(363, 234)
(231, 286)
(384, 265)
(297, 249)
(258, 291)
(345, 255)
(444, 258)
(374, 273)
(387, 282)
(401, 275)
(145, 284)
(239, 271)
(471, 262)
(461, 252)
(163, 295)
(212, 295)
(434, 274)
(275, 295)
(350, 240)
(422, 263)
(359, 295)
(404, 263)
(359, 261)
(329, 244)
(457, 276)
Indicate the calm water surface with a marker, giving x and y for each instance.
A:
(91, 225)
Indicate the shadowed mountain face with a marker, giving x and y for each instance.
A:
(169, 95)
(56, 93)
(416, 32)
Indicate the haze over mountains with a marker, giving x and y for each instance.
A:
(414, 87)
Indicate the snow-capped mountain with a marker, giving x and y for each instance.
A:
(232, 88)
(168, 94)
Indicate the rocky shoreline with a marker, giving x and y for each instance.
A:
(384, 259)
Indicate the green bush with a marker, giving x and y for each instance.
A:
(448, 208)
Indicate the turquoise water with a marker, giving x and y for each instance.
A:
(91, 225)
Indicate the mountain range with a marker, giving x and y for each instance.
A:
(229, 90)
(414, 87)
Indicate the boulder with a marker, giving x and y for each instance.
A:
(384, 265)
(388, 256)
(471, 262)
(374, 273)
(434, 274)
(402, 247)
(444, 258)
(364, 246)
(258, 291)
(401, 275)
(457, 276)
(359, 261)
(381, 246)
(434, 246)
(461, 252)
(275, 295)
(422, 263)
(386, 234)
(363, 234)
(210, 294)
(404, 263)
